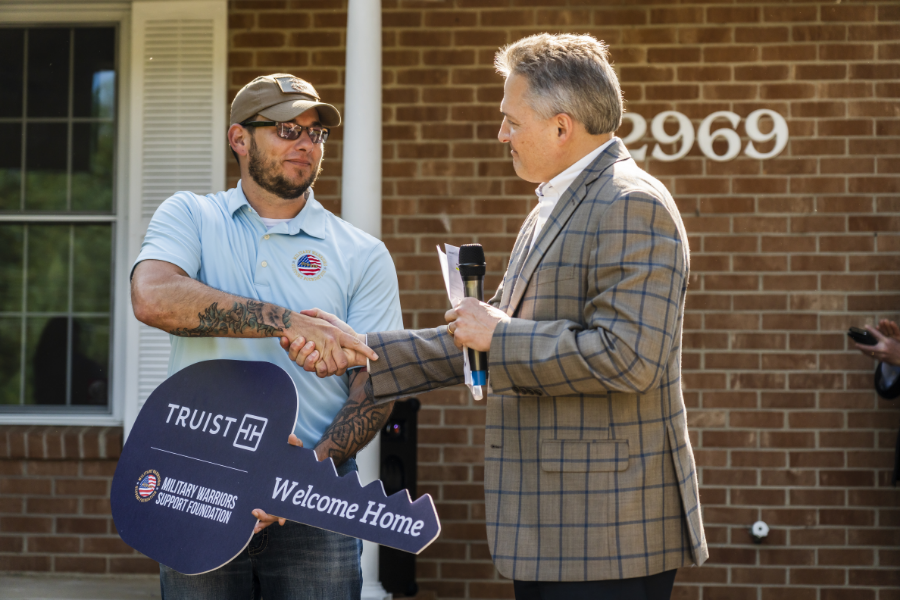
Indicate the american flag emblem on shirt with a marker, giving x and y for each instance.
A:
(309, 265)
(147, 485)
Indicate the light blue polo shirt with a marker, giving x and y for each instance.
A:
(315, 260)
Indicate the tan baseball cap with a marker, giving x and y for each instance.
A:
(280, 97)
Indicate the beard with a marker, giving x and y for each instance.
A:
(267, 175)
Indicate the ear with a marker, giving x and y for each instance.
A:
(565, 127)
(238, 139)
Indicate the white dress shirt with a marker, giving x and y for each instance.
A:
(549, 193)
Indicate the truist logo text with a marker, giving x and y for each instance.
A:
(247, 436)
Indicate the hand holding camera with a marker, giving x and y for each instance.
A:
(882, 343)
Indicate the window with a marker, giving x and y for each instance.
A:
(106, 109)
(58, 129)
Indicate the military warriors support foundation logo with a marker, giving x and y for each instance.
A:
(309, 265)
(147, 486)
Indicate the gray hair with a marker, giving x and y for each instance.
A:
(567, 74)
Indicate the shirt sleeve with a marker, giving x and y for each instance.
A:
(889, 374)
(174, 235)
(375, 303)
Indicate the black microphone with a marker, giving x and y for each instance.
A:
(472, 268)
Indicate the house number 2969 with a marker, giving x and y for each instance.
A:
(704, 137)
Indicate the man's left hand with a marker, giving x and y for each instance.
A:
(887, 350)
(472, 324)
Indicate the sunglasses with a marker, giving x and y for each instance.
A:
(292, 131)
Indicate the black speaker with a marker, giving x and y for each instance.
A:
(397, 569)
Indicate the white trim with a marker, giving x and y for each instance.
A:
(66, 13)
(61, 218)
(122, 295)
(61, 419)
(135, 232)
(361, 193)
(361, 180)
(119, 13)
(144, 10)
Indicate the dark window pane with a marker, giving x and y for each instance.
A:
(45, 165)
(93, 268)
(46, 340)
(92, 166)
(90, 361)
(95, 75)
(48, 268)
(10, 165)
(11, 265)
(48, 72)
(12, 50)
(10, 359)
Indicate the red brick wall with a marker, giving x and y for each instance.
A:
(787, 252)
(54, 502)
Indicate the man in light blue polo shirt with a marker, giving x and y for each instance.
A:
(227, 274)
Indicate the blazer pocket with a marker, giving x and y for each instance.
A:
(584, 456)
(555, 274)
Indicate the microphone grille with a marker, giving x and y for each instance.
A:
(471, 254)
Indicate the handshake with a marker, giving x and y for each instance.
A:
(326, 346)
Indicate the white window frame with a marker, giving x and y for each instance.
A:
(130, 227)
(80, 14)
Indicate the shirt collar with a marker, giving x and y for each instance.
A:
(560, 183)
(311, 220)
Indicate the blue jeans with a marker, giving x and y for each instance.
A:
(290, 562)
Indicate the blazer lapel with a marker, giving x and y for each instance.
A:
(562, 212)
(517, 259)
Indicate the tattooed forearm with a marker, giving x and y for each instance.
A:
(253, 315)
(357, 422)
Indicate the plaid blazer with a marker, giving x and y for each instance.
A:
(589, 472)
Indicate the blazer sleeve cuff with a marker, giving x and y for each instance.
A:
(413, 362)
(510, 361)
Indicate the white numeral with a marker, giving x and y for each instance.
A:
(685, 133)
(779, 132)
(705, 139)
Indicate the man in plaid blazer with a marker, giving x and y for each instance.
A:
(590, 481)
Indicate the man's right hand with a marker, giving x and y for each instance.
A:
(320, 342)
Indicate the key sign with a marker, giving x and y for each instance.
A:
(210, 445)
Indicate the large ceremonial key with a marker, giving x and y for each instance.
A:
(210, 445)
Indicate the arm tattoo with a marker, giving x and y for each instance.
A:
(358, 421)
(253, 315)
